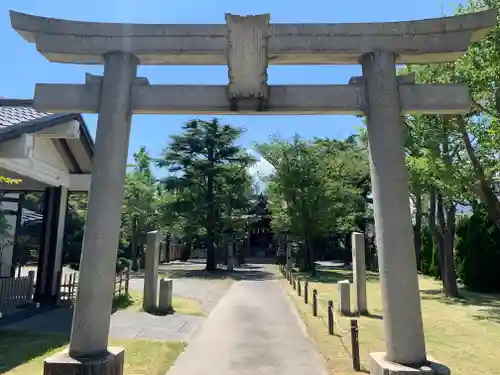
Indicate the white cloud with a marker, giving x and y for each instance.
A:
(262, 168)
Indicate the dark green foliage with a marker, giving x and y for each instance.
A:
(123, 263)
(429, 262)
(478, 252)
(208, 175)
(73, 232)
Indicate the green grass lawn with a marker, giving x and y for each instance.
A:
(23, 353)
(462, 333)
(181, 305)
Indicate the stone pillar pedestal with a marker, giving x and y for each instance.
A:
(344, 297)
(110, 363)
(359, 268)
(379, 365)
(165, 299)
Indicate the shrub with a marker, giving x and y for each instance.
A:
(429, 261)
(122, 263)
(478, 252)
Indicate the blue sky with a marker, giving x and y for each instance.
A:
(22, 66)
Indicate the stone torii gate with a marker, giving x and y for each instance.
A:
(247, 45)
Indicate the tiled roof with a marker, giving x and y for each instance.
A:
(15, 111)
(17, 117)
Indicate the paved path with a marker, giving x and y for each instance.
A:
(254, 330)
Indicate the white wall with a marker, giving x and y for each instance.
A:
(8, 248)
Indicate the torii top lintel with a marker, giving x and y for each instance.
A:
(416, 42)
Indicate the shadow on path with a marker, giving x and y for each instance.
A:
(249, 273)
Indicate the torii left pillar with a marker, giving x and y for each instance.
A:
(88, 349)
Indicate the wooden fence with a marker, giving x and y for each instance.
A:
(16, 291)
(121, 283)
(169, 252)
(69, 286)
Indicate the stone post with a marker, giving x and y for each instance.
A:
(359, 268)
(165, 298)
(344, 287)
(150, 295)
(91, 319)
(403, 327)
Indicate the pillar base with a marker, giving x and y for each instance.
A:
(379, 365)
(110, 363)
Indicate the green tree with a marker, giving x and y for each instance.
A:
(315, 189)
(200, 163)
(140, 203)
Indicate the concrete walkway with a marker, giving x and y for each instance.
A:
(254, 330)
(125, 324)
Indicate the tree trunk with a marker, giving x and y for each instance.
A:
(186, 248)
(417, 232)
(311, 255)
(211, 219)
(451, 289)
(447, 230)
(441, 227)
(446, 233)
(485, 191)
(135, 244)
(432, 223)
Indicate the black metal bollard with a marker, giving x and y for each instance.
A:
(306, 293)
(356, 365)
(330, 317)
(299, 288)
(315, 302)
(294, 283)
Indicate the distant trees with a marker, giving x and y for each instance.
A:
(140, 204)
(318, 187)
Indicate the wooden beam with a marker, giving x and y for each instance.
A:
(67, 130)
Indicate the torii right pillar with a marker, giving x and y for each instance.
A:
(403, 326)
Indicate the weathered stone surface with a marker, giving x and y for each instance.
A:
(150, 297)
(344, 287)
(94, 79)
(359, 270)
(379, 365)
(286, 99)
(165, 298)
(91, 319)
(403, 327)
(300, 44)
(247, 56)
(110, 363)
